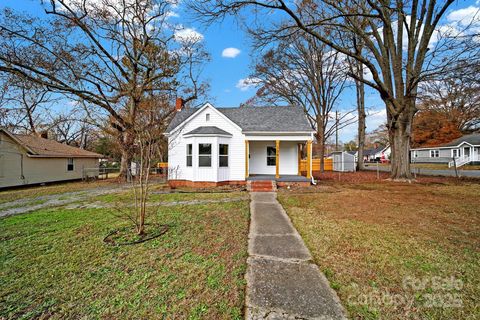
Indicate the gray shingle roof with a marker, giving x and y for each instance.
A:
(262, 119)
(209, 130)
(473, 138)
(371, 152)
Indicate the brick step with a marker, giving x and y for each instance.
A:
(262, 184)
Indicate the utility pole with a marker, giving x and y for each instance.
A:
(336, 130)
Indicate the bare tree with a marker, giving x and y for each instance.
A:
(111, 55)
(148, 148)
(24, 105)
(398, 47)
(302, 71)
(455, 96)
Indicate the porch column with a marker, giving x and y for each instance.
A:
(247, 147)
(309, 159)
(299, 154)
(277, 159)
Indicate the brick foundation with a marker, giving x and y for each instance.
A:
(203, 184)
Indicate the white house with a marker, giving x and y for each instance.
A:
(464, 150)
(214, 146)
(28, 159)
(379, 153)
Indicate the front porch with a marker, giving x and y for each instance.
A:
(278, 160)
(283, 178)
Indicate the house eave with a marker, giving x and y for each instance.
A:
(447, 147)
(64, 156)
(278, 133)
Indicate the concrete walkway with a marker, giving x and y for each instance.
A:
(282, 280)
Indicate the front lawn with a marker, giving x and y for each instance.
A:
(53, 188)
(393, 250)
(55, 265)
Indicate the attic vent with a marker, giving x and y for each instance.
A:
(207, 117)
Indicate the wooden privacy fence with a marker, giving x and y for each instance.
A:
(328, 164)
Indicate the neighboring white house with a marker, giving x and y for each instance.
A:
(213, 146)
(379, 153)
(28, 159)
(464, 150)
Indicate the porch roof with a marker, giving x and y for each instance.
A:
(208, 130)
(282, 178)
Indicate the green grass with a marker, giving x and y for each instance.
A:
(170, 197)
(55, 265)
(371, 239)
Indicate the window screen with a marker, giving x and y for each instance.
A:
(189, 154)
(70, 164)
(271, 156)
(223, 155)
(204, 155)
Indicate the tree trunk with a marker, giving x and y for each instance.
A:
(399, 136)
(321, 142)
(126, 144)
(361, 123)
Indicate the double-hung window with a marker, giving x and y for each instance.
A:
(455, 153)
(271, 156)
(204, 155)
(434, 153)
(223, 155)
(70, 166)
(189, 154)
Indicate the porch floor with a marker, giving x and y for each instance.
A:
(283, 178)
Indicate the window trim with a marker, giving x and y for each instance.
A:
(205, 155)
(434, 153)
(456, 150)
(223, 155)
(207, 117)
(70, 164)
(273, 156)
(189, 155)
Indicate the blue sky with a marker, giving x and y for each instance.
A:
(226, 72)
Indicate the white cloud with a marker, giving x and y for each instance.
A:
(230, 52)
(465, 16)
(187, 34)
(247, 83)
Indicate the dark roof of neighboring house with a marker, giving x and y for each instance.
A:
(209, 130)
(40, 147)
(371, 152)
(473, 138)
(263, 119)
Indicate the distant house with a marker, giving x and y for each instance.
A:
(464, 150)
(214, 146)
(378, 153)
(28, 159)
